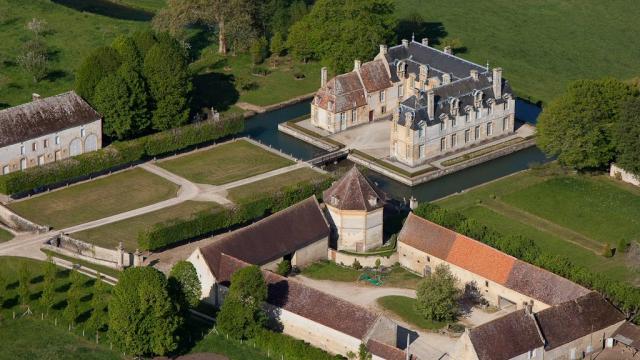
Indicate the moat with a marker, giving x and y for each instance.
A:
(264, 128)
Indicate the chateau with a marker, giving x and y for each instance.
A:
(437, 102)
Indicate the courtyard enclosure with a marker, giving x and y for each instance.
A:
(275, 184)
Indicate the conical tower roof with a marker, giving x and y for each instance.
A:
(354, 192)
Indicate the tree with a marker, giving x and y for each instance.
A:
(337, 32)
(577, 126)
(627, 136)
(99, 314)
(101, 63)
(437, 295)
(74, 293)
(24, 277)
(48, 291)
(169, 81)
(33, 59)
(242, 315)
(123, 100)
(37, 26)
(185, 286)
(259, 50)
(142, 318)
(277, 45)
(128, 51)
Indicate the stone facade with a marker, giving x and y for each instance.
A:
(619, 173)
(580, 348)
(358, 231)
(53, 129)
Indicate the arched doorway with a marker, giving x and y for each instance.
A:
(91, 143)
(75, 147)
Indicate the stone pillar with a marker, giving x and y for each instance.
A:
(405, 43)
(120, 255)
(413, 203)
(323, 76)
(448, 50)
(138, 259)
(425, 41)
(497, 83)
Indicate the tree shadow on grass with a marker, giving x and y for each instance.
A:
(9, 302)
(60, 305)
(63, 288)
(89, 283)
(86, 298)
(38, 279)
(13, 285)
(215, 90)
(84, 316)
(415, 26)
(107, 8)
(35, 296)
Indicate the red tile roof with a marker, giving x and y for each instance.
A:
(426, 236)
(480, 259)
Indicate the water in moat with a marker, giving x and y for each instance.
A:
(264, 127)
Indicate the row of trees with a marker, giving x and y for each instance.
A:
(594, 123)
(139, 83)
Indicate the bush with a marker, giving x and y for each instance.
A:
(118, 154)
(289, 347)
(260, 70)
(607, 251)
(284, 268)
(623, 246)
(245, 83)
(356, 264)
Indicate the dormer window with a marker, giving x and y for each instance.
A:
(373, 201)
(334, 200)
(382, 96)
(453, 106)
(477, 98)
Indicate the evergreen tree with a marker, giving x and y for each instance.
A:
(142, 317)
(74, 293)
(99, 64)
(184, 285)
(277, 46)
(169, 81)
(437, 295)
(242, 315)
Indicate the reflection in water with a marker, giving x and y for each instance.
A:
(264, 127)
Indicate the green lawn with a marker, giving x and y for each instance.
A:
(96, 199)
(403, 307)
(274, 184)
(5, 235)
(34, 339)
(108, 236)
(397, 277)
(541, 44)
(225, 163)
(150, 5)
(568, 214)
(68, 44)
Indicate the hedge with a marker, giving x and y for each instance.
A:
(118, 154)
(206, 222)
(290, 348)
(625, 296)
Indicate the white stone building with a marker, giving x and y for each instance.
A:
(439, 103)
(355, 208)
(47, 130)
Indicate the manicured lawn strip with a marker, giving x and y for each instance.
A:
(150, 5)
(612, 267)
(30, 338)
(517, 38)
(390, 167)
(126, 231)
(225, 163)
(68, 45)
(404, 307)
(5, 235)
(274, 184)
(484, 151)
(96, 199)
(328, 270)
(99, 268)
(600, 210)
(234, 350)
(293, 124)
(399, 277)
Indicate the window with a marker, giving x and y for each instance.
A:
(442, 126)
(57, 140)
(505, 124)
(421, 132)
(443, 144)
(454, 140)
(421, 150)
(486, 283)
(82, 132)
(342, 116)
(467, 135)
(383, 109)
(476, 134)
(382, 96)
(453, 122)
(428, 259)
(413, 83)
(5, 170)
(489, 129)
(400, 91)
(34, 147)
(46, 143)
(478, 113)
(354, 115)
(21, 149)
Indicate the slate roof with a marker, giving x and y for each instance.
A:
(574, 319)
(45, 116)
(343, 92)
(353, 192)
(628, 334)
(506, 337)
(270, 238)
(488, 262)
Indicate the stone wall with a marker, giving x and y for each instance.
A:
(366, 261)
(116, 258)
(620, 173)
(581, 345)
(357, 230)
(311, 253)
(17, 222)
(207, 280)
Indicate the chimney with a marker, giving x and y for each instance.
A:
(323, 77)
(405, 43)
(448, 50)
(424, 73)
(474, 74)
(35, 97)
(497, 83)
(446, 78)
(425, 41)
(356, 65)
(431, 106)
(383, 49)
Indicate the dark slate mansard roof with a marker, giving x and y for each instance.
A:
(353, 191)
(271, 238)
(44, 116)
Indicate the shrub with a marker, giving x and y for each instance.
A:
(117, 155)
(259, 50)
(298, 74)
(284, 268)
(623, 246)
(245, 83)
(289, 347)
(356, 264)
(607, 251)
(260, 70)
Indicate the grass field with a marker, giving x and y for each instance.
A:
(571, 215)
(326, 270)
(5, 235)
(403, 307)
(150, 5)
(126, 231)
(541, 44)
(225, 163)
(273, 184)
(96, 199)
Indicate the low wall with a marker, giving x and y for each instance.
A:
(66, 245)
(366, 261)
(17, 222)
(620, 173)
(412, 181)
(282, 127)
